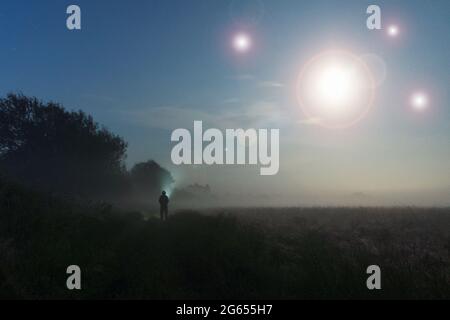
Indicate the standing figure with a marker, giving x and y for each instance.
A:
(164, 205)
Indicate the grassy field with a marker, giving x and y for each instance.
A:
(292, 253)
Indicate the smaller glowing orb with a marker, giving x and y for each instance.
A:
(419, 101)
(393, 31)
(242, 42)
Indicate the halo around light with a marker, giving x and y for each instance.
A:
(335, 89)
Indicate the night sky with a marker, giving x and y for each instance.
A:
(145, 68)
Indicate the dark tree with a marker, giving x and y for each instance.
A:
(43, 145)
(149, 178)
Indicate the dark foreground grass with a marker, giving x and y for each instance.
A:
(258, 253)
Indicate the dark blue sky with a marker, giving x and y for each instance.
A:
(144, 68)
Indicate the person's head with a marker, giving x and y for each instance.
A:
(164, 193)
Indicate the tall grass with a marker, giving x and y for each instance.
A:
(249, 253)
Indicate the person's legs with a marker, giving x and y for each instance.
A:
(166, 212)
(161, 212)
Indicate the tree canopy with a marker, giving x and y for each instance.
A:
(45, 146)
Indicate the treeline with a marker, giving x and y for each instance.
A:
(48, 148)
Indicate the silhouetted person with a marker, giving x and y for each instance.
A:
(164, 205)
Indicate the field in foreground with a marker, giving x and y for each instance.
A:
(234, 254)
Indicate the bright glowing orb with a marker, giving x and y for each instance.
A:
(334, 85)
(393, 31)
(242, 42)
(336, 88)
(419, 101)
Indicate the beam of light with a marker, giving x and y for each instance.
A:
(419, 101)
(169, 187)
(336, 88)
(242, 42)
(168, 190)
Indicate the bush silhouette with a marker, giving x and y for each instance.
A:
(148, 178)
